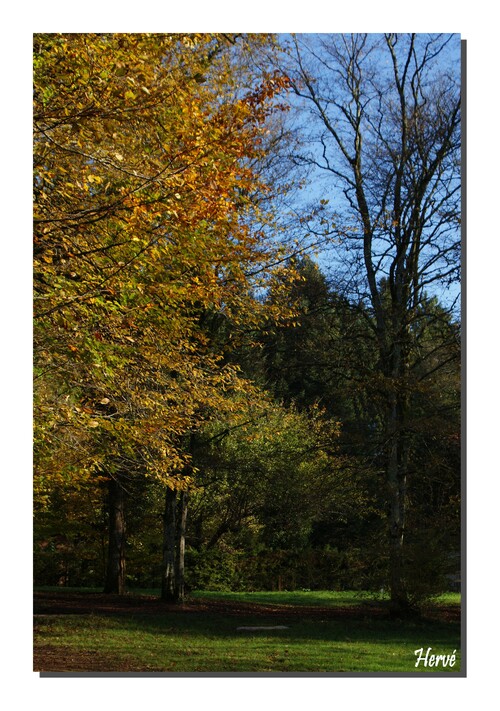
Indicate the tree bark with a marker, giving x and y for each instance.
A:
(115, 568)
(396, 484)
(181, 546)
(168, 583)
(395, 370)
(174, 545)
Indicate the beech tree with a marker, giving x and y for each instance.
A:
(384, 116)
(143, 147)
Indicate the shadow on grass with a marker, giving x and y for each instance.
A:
(197, 643)
(199, 625)
(205, 638)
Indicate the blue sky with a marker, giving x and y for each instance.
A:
(322, 184)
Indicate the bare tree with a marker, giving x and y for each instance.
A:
(384, 124)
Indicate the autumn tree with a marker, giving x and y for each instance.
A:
(384, 117)
(143, 153)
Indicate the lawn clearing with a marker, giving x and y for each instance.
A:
(327, 598)
(203, 636)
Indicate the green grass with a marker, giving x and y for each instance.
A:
(204, 642)
(324, 598)
(299, 597)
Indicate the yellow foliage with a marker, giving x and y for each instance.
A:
(141, 153)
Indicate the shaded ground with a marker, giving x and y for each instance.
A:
(54, 658)
(72, 603)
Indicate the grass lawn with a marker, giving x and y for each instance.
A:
(306, 597)
(197, 640)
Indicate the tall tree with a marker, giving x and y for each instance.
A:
(387, 127)
(143, 151)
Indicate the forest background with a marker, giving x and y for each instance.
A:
(189, 353)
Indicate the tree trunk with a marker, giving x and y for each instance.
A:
(115, 569)
(174, 545)
(181, 546)
(168, 583)
(396, 480)
(397, 466)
